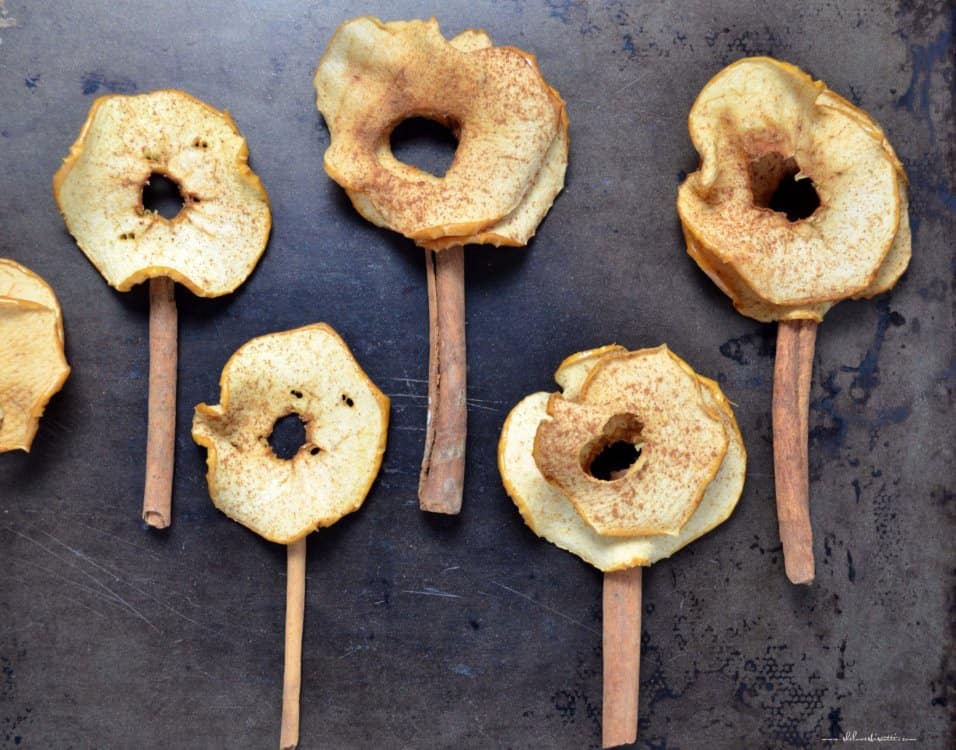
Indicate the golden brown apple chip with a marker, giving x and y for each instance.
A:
(213, 243)
(309, 372)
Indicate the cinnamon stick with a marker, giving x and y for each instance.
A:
(443, 467)
(622, 655)
(792, 373)
(161, 420)
(294, 616)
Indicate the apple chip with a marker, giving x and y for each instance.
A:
(758, 124)
(374, 75)
(518, 227)
(216, 239)
(547, 509)
(549, 514)
(652, 401)
(310, 372)
(32, 367)
(19, 282)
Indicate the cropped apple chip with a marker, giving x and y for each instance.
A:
(215, 240)
(32, 364)
(512, 129)
(19, 282)
(310, 372)
(547, 508)
(759, 124)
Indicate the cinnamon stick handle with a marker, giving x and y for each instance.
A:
(792, 373)
(622, 656)
(161, 421)
(443, 467)
(292, 673)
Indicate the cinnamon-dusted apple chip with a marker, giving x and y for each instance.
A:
(547, 509)
(652, 401)
(515, 229)
(493, 98)
(310, 372)
(32, 367)
(549, 514)
(19, 282)
(213, 243)
(757, 124)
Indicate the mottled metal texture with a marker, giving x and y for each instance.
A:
(425, 632)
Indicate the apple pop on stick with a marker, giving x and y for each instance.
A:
(637, 457)
(799, 202)
(308, 372)
(509, 166)
(211, 245)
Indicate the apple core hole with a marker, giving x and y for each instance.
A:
(612, 453)
(777, 183)
(287, 436)
(162, 196)
(424, 144)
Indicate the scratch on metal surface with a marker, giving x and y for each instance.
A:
(78, 603)
(546, 607)
(135, 588)
(75, 519)
(113, 594)
(476, 404)
(419, 396)
(32, 566)
(429, 591)
(29, 626)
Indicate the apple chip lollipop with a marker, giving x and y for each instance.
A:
(32, 364)
(509, 166)
(635, 458)
(799, 202)
(211, 245)
(309, 372)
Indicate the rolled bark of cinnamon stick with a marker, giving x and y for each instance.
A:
(292, 673)
(442, 475)
(161, 420)
(793, 369)
(622, 656)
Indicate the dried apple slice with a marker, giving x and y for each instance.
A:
(19, 282)
(515, 229)
(549, 514)
(310, 372)
(760, 121)
(213, 243)
(650, 399)
(373, 75)
(748, 303)
(32, 368)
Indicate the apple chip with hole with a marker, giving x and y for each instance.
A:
(799, 200)
(309, 372)
(512, 129)
(33, 366)
(217, 237)
(583, 474)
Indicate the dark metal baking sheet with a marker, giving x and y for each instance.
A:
(425, 632)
